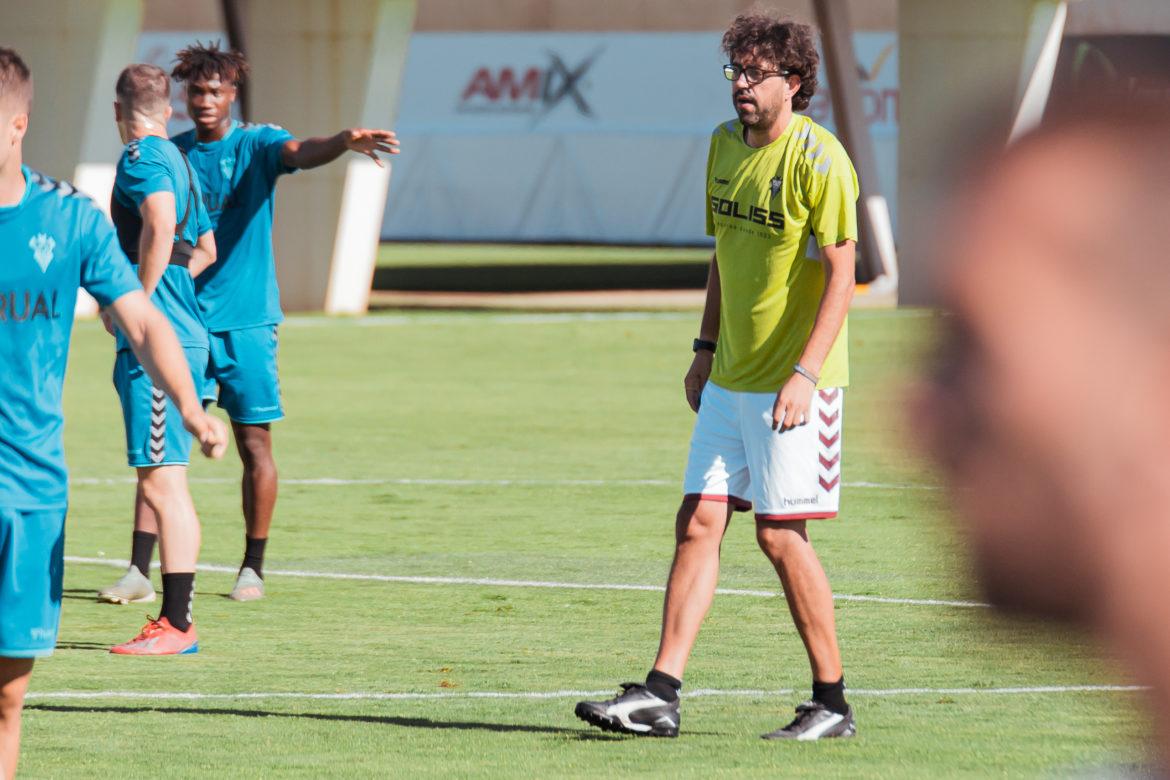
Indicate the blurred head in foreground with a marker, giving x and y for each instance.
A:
(1049, 406)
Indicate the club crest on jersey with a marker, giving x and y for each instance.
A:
(775, 186)
(42, 246)
(226, 166)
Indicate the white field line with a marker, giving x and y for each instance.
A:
(337, 482)
(544, 318)
(535, 318)
(703, 692)
(502, 583)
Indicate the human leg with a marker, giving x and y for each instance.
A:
(165, 491)
(245, 369)
(716, 477)
(154, 437)
(690, 588)
(807, 591)
(14, 678)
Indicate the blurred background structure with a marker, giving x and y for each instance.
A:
(567, 123)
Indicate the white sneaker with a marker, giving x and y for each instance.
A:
(133, 588)
(249, 586)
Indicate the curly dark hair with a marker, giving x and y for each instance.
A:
(788, 44)
(206, 60)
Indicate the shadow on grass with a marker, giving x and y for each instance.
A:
(80, 594)
(84, 646)
(89, 594)
(384, 720)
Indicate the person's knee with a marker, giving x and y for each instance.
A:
(779, 540)
(14, 674)
(699, 521)
(255, 446)
(161, 487)
(10, 705)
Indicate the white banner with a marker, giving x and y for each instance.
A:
(595, 137)
(590, 137)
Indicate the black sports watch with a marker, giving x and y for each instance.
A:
(703, 344)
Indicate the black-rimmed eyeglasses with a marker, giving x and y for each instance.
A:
(754, 75)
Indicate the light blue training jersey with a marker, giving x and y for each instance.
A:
(149, 165)
(55, 240)
(238, 177)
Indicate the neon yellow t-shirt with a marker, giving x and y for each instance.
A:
(762, 207)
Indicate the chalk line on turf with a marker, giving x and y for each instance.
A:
(544, 318)
(504, 583)
(533, 318)
(428, 696)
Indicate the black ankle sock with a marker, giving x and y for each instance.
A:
(832, 695)
(142, 550)
(663, 686)
(178, 593)
(254, 555)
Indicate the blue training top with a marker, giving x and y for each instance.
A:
(149, 165)
(54, 240)
(238, 176)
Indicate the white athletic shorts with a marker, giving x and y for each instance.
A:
(737, 458)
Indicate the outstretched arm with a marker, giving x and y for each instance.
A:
(313, 152)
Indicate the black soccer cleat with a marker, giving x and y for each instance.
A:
(633, 711)
(816, 721)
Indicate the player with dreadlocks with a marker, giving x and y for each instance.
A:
(238, 165)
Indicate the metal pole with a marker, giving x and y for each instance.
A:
(877, 257)
(233, 21)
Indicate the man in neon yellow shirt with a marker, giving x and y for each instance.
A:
(768, 375)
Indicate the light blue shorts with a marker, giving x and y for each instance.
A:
(243, 365)
(155, 435)
(32, 549)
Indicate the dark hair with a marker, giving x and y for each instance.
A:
(788, 44)
(145, 87)
(15, 78)
(207, 60)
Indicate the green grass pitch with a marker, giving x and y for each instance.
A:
(544, 449)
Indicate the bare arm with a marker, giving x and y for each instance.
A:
(205, 254)
(709, 326)
(840, 262)
(157, 348)
(795, 398)
(314, 152)
(157, 239)
(700, 371)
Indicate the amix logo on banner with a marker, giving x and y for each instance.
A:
(532, 90)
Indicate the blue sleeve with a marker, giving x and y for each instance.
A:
(202, 218)
(142, 171)
(106, 274)
(270, 143)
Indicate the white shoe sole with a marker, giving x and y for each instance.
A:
(240, 597)
(109, 598)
